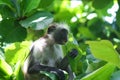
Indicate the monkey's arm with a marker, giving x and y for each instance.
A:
(36, 68)
(65, 61)
(64, 65)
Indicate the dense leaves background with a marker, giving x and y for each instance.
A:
(95, 32)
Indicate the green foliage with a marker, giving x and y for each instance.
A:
(11, 32)
(117, 17)
(17, 52)
(43, 3)
(51, 75)
(97, 4)
(29, 5)
(72, 44)
(115, 75)
(5, 69)
(96, 39)
(101, 73)
(101, 49)
(38, 21)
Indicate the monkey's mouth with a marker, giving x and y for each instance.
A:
(63, 41)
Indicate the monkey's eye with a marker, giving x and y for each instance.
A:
(51, 29)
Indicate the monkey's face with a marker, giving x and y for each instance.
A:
(60, 34)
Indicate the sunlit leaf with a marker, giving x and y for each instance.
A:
(104, 50)
(101, 73)
(17, 68)
(38, 20)
(18, 72)
(17, 52)
(5, 68)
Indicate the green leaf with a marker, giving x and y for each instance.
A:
(116, 75)
(30, 5)
(118, 17)
(52, 76)
(96, 26)
(6, 12)
(8, 3)
(12, 31)
(5, 68)
(17, 67)
(18, 72)
(100, 4)
(104, 50)
(43, 3)
(17, 52)
(2, 53)
(49, 75)
(16, 4)
(101, 73)
(86, 33)
(38, 21)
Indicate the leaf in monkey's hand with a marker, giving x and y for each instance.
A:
(49, 75)
(52, 76)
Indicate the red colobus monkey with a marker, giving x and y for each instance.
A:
(46, 55)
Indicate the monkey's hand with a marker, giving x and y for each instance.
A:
(60, 74)
(73, 53)
(65, 61)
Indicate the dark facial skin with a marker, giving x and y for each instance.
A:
(62, 37)
(60, 34)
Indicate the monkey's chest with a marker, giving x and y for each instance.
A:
(49, 62)
(50, 55)
(51, 58)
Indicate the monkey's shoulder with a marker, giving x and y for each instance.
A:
(42, 48)
(40, 42)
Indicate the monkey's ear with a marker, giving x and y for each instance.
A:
(51, 28)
